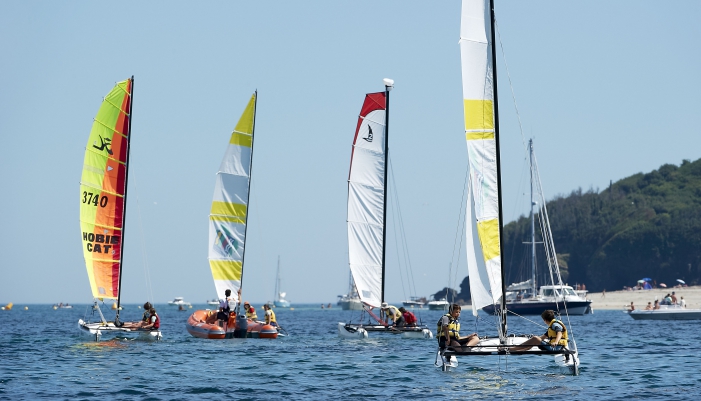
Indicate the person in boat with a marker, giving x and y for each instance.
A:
(554, 339)
(250, 311)
(224, 307)
(682, 302)
(409, 317)
(656, 305)
(631, 307)
(269, 316)
(649, 306)
(144, 318)
(448, 331)
(674, 298)
(393, 314)
(154, 322)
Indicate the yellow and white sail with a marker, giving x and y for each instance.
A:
(227, 217)
(484, 262)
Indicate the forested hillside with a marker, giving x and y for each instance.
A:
(646, 225)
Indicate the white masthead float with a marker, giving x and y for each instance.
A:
(367, 212)
(485, 262)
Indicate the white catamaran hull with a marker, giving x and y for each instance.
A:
(566, 364)
(346, 331)
(101, 330)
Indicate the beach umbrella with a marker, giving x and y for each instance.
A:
(663, 285)
(680, 281)
(647, 279)
(641, 281)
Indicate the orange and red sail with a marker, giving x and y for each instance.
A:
(102, 191)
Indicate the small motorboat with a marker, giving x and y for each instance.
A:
(204, 324)
(178, 301)
(666, 312)
(61, 305)
(213, 301)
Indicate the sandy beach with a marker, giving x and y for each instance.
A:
(620, 299)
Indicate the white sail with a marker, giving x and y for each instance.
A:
(478, 102)
(366, 193)
(227, 218)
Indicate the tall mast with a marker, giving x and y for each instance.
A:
(277, 281)
(496, 140)
(250, 176)
(389, 84)
(124, 213)
(535, 287)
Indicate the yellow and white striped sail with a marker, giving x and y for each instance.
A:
(227, 217)
(484, 262)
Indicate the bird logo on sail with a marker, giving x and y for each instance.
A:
(226, 241)
(105, 143)
(369, 138)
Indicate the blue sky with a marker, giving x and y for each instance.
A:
(607, 89)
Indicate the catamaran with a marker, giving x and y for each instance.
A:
(367, 211)
(228, 220)
(485, 261)
(103, 205)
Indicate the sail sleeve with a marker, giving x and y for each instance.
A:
(478, 105)
(102, 188)
(227, 216)
(366, 194)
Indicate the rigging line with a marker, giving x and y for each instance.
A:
(552, 243)
(394, 226)
(461, 221)
(411, 282)
(144, 255)
(511, 86)
(252, 197)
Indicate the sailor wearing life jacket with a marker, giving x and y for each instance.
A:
(448, 329)
(554, 339)
(409, 317)
(250, 311)
(269, 316)
(393, 314)
(154, 322)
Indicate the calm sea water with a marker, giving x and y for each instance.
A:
(44, 356)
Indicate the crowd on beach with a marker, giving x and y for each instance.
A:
(669, 300)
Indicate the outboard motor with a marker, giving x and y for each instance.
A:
(241, 326)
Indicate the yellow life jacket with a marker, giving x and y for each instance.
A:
(453, 327)
(270, 313)
(251, 313)
(552, 334)
(393, 313)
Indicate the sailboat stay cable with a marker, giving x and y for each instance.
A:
(124, 201)
(551, 243)
(144, 253)
(511, 86)
(248, 197)
(395, 201)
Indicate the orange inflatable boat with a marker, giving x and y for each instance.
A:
(204, 324)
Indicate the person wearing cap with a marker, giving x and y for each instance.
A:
(250, 311)
(392, 313)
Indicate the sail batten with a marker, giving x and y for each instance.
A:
(229, 210)
(484, 261)
(102, 191)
